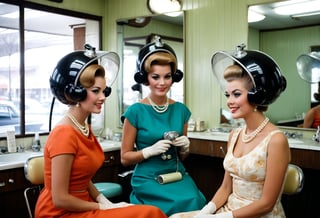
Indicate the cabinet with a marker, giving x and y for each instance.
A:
(13, 183)
(208, 147)
(110, 168)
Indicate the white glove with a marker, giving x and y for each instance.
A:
(218, 215)
(209, 208)
(105, 204)
(182, 142)
(159, 147)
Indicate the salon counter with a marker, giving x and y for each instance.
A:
(304, 152)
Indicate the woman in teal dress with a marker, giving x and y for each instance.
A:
(144, 141)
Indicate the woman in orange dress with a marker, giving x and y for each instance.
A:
(72, 153)
(312, 118)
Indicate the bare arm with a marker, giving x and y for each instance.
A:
(308, 119)
(61, 168)
(128, 155)
(225, 189)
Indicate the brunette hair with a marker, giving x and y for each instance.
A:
(235, 72)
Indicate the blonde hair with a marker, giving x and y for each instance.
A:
(235, 72)
(87, 77)
(161, 58)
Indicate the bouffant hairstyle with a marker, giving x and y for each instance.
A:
(87, 78)
(161, 58)
(235, 72)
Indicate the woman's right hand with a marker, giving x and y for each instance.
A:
(105, 204)
(159, 147)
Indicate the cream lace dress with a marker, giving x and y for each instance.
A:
(248, 173)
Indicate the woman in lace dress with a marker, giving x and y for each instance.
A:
(258, 153)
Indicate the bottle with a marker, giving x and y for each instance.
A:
(37, 139)
(37, 145)
(191, 125)
(11, 141)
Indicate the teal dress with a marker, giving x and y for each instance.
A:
(174, 197)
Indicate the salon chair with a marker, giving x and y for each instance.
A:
(117, 192)
(294, 180)
(34, 173)
(110, 190)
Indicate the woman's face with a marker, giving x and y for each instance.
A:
(237, 102)
(160, 79)
(95, 96)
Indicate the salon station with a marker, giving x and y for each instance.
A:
(195, 29)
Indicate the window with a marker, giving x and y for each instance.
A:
(33, 39)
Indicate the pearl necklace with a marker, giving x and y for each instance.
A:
(159, 108)
(247, 138)
(83, 129)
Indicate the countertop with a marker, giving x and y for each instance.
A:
(17, 160)
(297, 143)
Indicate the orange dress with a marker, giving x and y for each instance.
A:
(316, 119)
(88, 158)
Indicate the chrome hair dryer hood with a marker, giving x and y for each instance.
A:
(308, 66)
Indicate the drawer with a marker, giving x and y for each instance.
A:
(112, 158)
(208, 147)
(12, 179)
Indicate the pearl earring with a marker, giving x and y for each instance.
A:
(78, 104)
(255, 109)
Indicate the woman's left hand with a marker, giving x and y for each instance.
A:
(181, 141)
(184, 143)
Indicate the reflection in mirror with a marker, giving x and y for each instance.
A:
(285, 38)
(132, 38)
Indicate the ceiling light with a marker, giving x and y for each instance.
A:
(164, 6)
(298, 8)
(254, 16)
(174, 14)
(306, 14)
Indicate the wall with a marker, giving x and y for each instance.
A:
(285, 46)
(205, 32)
(210, 25)
(94, 7)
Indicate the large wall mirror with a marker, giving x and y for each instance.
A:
(285, 38)
(133, 34)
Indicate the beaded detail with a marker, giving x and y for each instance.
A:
(83, 129)
(159, 108)
(249, 137)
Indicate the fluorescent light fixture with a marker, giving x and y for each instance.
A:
(300, 7)
(305, 14)
(164, 6)
(254, 16)
(174, 14)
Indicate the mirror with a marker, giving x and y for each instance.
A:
(285, 38)
(133, 34)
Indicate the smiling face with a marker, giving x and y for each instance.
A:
(160, 80)
(238, 84)
(237, 102)
(95, 96)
